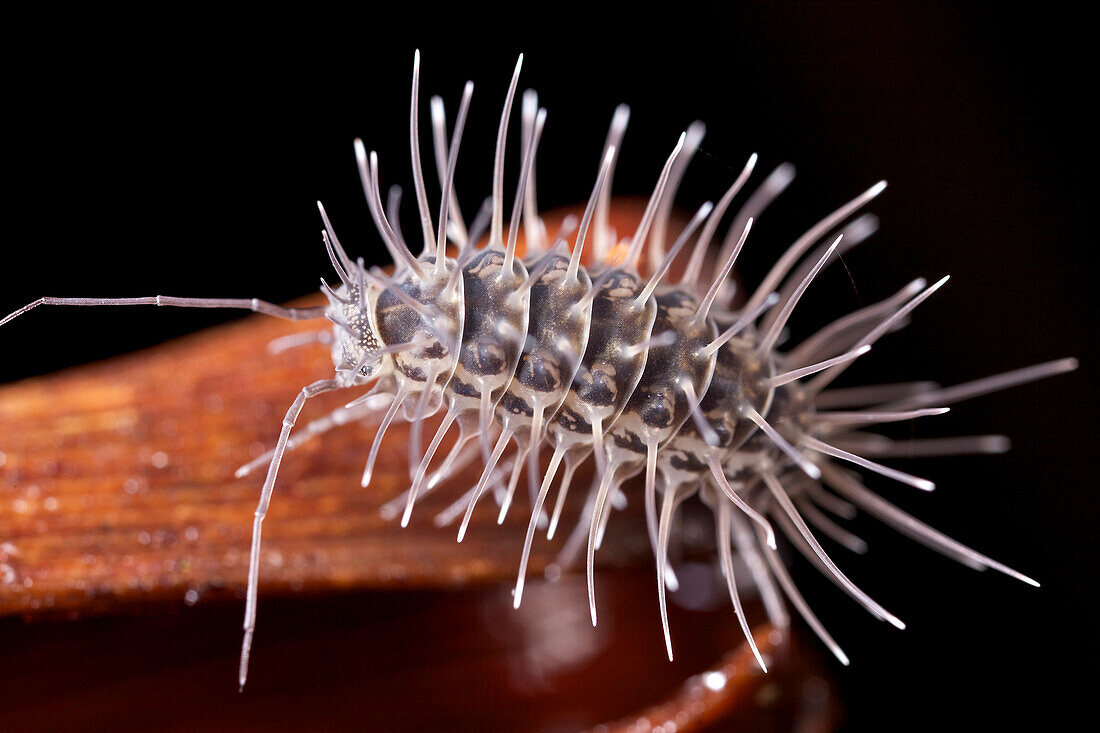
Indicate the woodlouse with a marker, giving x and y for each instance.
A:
(644, 383)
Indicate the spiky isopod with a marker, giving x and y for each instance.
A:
(633, 382)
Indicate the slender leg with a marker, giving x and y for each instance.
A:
(339, 416)
(402, 393)
(456, 460)
(324, 385)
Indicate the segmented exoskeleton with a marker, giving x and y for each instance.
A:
(648, 375)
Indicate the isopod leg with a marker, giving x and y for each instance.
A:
(339, 416)
(402, 393)
(324, 385)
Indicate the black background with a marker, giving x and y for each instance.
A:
(183, 155)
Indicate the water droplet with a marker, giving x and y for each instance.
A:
(714, 680)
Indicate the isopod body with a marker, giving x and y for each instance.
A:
(669, 375)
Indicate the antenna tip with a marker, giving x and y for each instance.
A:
(878, 188)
